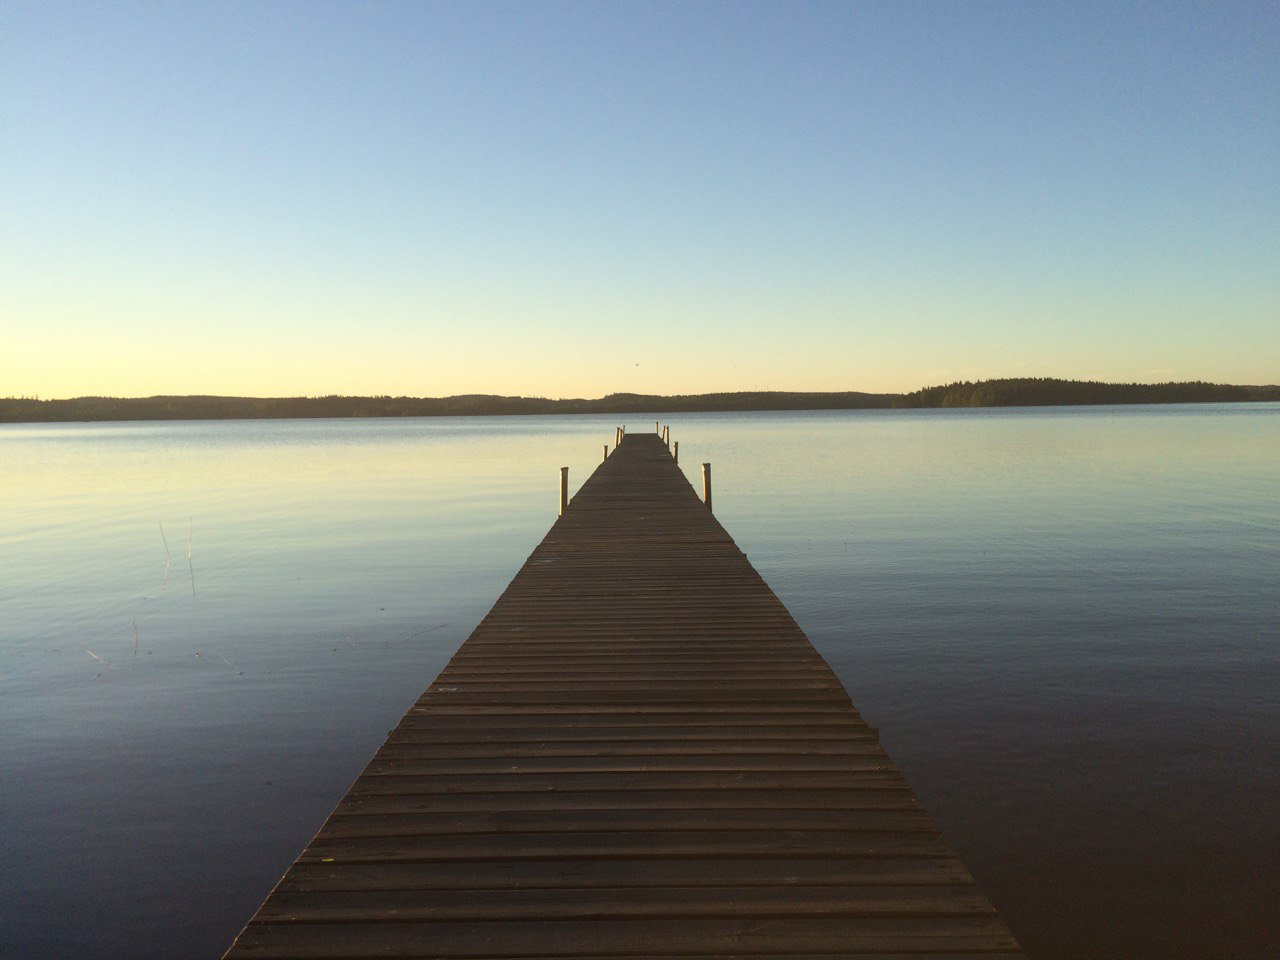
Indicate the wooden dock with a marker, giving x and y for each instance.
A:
(636, 754)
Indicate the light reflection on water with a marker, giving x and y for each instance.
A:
(1064, 622)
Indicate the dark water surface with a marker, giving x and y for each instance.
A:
(1065, 622)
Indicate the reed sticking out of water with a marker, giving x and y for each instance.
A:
(190, 566)
(135, 638)
(168, 560)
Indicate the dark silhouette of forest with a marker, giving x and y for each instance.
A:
(987, 393)
(26, 410)
(1046, 392)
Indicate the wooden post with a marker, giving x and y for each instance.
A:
(706, 484)
(617, 436)
(656, 428)
(564, 489)
(666, 436)
(606, 453)
(677, 452)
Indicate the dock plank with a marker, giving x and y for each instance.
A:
(679, 935)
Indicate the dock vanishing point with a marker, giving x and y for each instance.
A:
(637, 753)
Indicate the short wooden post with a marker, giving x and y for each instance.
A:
(666, 435)
(656, 428)
(676, 454)
(606, 453)
(617, 436)
(706, 484)
(564, 490)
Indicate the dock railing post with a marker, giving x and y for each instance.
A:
(606, 453)
(564, 489)
(706, 484)
(676, 453)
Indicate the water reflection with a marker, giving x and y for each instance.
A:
(1062, 621)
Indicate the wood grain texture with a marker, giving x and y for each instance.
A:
(637, 753)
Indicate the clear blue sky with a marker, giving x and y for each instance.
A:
(570, 199)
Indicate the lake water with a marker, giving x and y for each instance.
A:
(1065, 622)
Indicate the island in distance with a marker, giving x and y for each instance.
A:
(1024, 392)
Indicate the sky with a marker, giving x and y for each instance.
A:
(574, 199)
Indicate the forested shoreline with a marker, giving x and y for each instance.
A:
(986, 393)
(1048, 392)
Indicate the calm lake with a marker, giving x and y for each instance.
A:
(1065, 622)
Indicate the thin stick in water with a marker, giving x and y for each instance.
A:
(190, 565)
(168, 560)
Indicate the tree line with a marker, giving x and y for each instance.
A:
(985, 393)
(1048, 392)
(31, 410)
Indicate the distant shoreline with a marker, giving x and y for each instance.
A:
(1036, 392)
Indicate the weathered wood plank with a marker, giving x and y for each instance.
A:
(442, 731)
(800, 875)
(604, 903)
(799, 687)
(830, 802)
(637, 782)
(483, 729)
(407, 746)
(410, 761)
(669, 936)
(374, 823)
(629, 845)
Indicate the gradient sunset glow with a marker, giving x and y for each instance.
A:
(572, 199)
